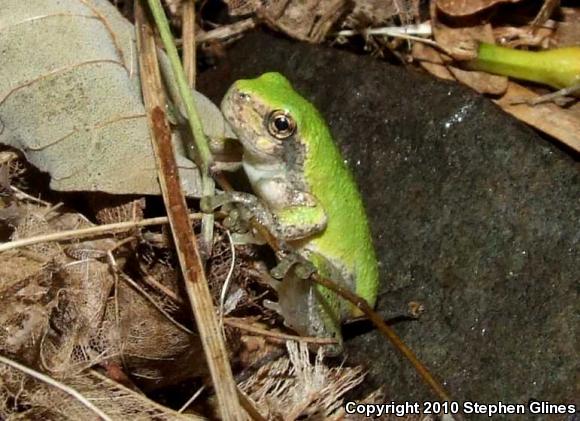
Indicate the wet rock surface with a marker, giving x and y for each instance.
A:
(474, 215)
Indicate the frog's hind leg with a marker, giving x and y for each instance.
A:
(306, 307)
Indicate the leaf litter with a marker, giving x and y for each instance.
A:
(69, 311)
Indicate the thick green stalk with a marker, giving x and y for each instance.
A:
(559, 68)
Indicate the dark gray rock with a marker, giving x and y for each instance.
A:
(474, 215)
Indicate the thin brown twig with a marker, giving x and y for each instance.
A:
(387, 331)
(154, 283)
(88, 232)
(227, 31)
(184, 238)
(21, 195)
(233, 322)
(249, 406)
(154, 303)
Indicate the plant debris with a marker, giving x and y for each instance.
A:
(82, 309)
(292, 387)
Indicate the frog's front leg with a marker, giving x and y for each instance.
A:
(297, 214)
(254, 207)
(291, 214)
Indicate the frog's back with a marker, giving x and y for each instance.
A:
(347, 239)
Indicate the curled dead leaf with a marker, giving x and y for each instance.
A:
(306, 20)
(430, 59)
(561, 124)
(468, 7)
(462, 44)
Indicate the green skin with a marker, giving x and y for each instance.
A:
(307, 198)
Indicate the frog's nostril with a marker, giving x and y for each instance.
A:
(243, 96)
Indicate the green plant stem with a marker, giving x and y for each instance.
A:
(559, 67)
(200, 139)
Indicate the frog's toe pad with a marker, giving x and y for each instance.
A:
(271, 305)
(302, 268)
(208, 204)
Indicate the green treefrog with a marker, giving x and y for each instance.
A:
(306, 197)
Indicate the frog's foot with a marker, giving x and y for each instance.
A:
(269, 280)
(241, 239)
(208, 204)
(563, 97)
(237, 220)
(302, 268)
(271, 305)
(252, 207)
(277, 308)
(225, 166)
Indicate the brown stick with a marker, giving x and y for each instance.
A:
(188, 37)
(233, 322)
(183, 235)
(388, 332)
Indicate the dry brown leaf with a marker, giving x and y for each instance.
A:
(568, 30)
(49, 314)
(551, 119)
(41, 401)
(306, 20)
(144, 342)
(68, 105)
(242, 7)
(481, 82)
(430, 59)
(373, 13)
(110, 208)
(518, 36)
(461, 44)
(468, 7)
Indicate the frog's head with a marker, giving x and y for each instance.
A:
(269, 116)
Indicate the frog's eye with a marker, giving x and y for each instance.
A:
(280, 124)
